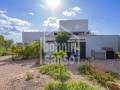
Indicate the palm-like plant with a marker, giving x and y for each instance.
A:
(58, 55)
(55, 55)
(62, 54)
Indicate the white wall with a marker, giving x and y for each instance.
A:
(97, 42)
(28, 37)
(74, 25)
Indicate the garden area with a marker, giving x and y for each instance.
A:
(106, 78)
(59, 77)
(25, 72)
(5, 46)
(29, 51)
(62, 79)
(19, 51)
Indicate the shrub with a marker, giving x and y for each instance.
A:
(97, 74)
(57, 71)
(55, 85)
(27, 51)
(86, 70)
(69, 86)
(113, 86)
(2, 51)
(28, 76)
(113, 74)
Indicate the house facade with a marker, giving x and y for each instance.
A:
(90, 45)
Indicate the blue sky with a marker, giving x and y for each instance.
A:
(34, 15)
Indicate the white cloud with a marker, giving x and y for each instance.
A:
(72, 11)
(12, 25)
(52, 22)
(42, 6)
(94, 32)
(3, 14)
(3, 22)
(69, 13)
(19, 22)
(77, 9)
(32, 14)
(31, 30)
(3, 11)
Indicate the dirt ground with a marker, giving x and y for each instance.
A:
(10, 69)
(12, 73)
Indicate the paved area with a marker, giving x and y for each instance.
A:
(10, 69)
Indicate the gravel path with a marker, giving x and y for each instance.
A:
(10, 69)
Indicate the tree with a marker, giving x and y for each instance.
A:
(4, 45)
(62, 37)
(35, 45)
(1, 41)
(8, 44)
(31, 50)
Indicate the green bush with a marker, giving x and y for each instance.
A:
(31, 50)
(69, 86)
(57, 71)
(2, 51)
(85, 69)
(113, 74)
(99, 75)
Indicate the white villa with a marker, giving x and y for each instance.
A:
(97, 46)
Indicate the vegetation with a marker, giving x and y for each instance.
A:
(55, 56)
(28, 51)
(113, 74)
(58, 55)
(113, 85)
(62, 37)
(55, 85)
(5, 46)
(62, 84)
(101, 76)
(56, 71)
(28, 76)
(2, 51)
(118, 54)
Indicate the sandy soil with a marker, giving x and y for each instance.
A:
(12, 73)
(10, 69)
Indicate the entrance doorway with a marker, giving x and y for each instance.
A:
(82, 50)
